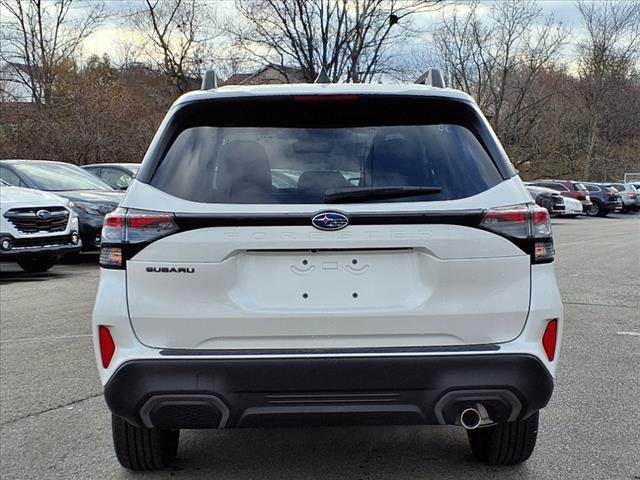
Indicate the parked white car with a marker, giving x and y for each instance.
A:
(405, 277)
(36, 228)
(572, 207)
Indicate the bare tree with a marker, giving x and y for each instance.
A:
(500, 61)
(607, 64)
(353, 40)
(176, 35)
(39, 38)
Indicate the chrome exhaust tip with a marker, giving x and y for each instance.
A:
(470, 418)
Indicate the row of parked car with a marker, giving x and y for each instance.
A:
(570, 198)
(48, 209)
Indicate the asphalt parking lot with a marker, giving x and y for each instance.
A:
(54, 423)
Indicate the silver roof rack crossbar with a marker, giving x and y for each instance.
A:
(210, 80)
(432, 77)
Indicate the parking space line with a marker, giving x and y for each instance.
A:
(35, 339)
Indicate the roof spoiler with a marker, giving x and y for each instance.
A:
(210, 80)
(432, 77)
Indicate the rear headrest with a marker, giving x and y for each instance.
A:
(318, 181)
(397, 161)
(244, 174)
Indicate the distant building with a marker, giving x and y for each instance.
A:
(13, 83)
(150, 78)
(268, 75)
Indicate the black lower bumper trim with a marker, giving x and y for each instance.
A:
(214, 393)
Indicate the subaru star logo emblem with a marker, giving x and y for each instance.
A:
(43, 214)
(330, 221)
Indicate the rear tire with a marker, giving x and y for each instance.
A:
(143, 448)
(37, 264)
(595, 210)
(506, 443)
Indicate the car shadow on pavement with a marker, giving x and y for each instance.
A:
(12, 276)
(10, 273)
(81, 258)
(333, 453)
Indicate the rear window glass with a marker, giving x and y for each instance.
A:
(299, 165)
(299, 149)
(579, 187)
(552, 185)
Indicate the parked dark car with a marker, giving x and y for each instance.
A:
(605, 200)
(117, 175)
(568, 188)
(92, 198)
(547, 198)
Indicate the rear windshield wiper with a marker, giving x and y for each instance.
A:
(365, 194)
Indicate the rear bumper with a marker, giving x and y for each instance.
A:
(611, 206)
(225, 393)
(557, 209)
(90, 230)
(628, 202)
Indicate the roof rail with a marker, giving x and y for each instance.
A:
(432, 77)
(209, 80)
(322, 77)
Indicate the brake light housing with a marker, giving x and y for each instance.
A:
(527, 226)
(126, 231)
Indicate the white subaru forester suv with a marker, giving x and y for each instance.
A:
(322, 254)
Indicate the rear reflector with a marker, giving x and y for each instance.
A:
(107, 345)
(549, 339)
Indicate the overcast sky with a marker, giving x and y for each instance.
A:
(107, 38)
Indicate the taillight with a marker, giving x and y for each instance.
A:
(107, 345)
(113, 227)
(549, 339)
(148, 226)
(125, 230)
(511, 221)
(629, 195)
(579, 196)
(527, 226)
